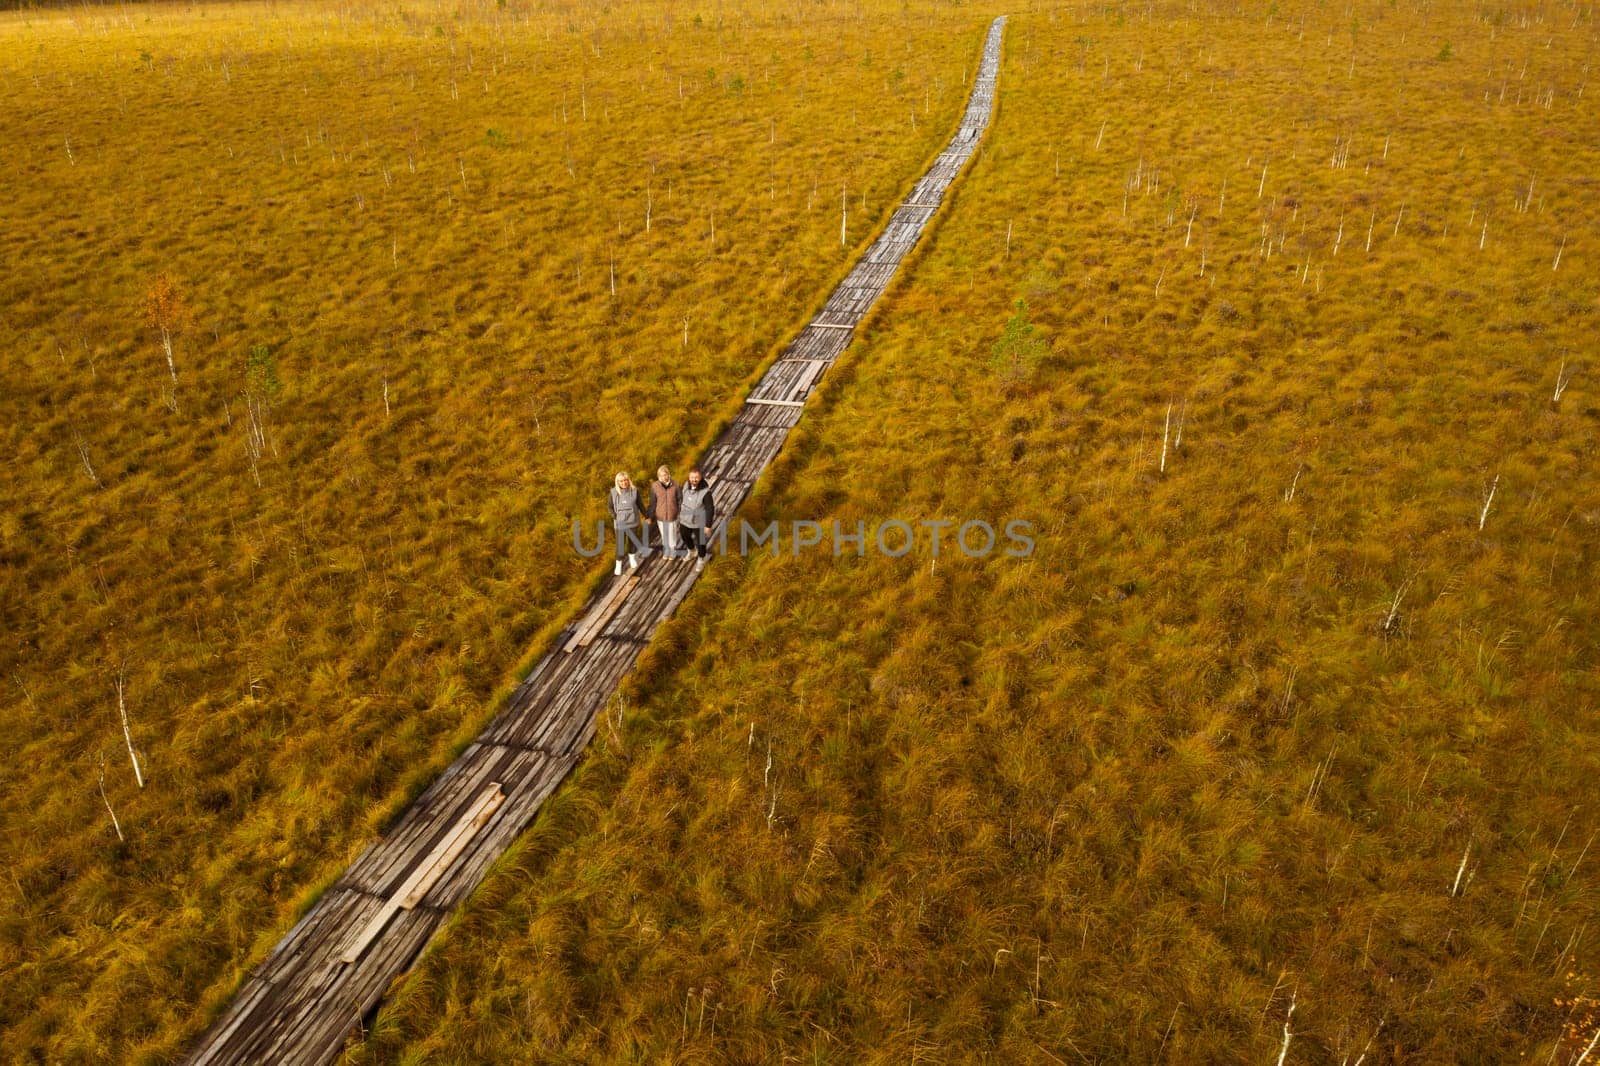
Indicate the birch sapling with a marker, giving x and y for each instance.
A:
(1283, 1051)
(167, 311)
(1393, 616)
(1166, 429)
(1455, 887)
(1488, 499)
(83, 457)
(106, 800)
(127, 733)
(1563, 379)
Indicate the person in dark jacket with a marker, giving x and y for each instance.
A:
(628, 516)
(697, 513)
(665, 495)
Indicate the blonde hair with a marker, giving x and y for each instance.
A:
(663, 470)
(622, 475)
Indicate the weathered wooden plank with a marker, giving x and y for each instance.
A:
(602, 613)
(428, 871)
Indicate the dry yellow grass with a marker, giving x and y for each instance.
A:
(445, 269)
(1194, 761)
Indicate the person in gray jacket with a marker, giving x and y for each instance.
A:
(697, 513)
(628, 516)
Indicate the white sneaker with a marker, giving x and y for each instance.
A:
(633, 563)
(618, 571)
(699, 565)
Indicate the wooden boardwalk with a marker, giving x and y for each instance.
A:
(318, 984)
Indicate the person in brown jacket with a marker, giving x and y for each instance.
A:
(666, 496)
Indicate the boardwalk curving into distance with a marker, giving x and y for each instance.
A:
(323, 978)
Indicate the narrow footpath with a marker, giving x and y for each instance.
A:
(301, 1003)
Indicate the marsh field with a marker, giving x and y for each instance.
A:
(321, 323)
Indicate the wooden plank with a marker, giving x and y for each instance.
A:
(407, 895)
(814, 324)
(776, 403)
(601, 613)
(424, 879)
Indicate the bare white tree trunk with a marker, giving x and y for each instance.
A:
(1283, 1052)
(1488, 498)
(1394, 607)
(1593, 1040)
(166, 347)
(1563, 379)
(83, 456)
(103, 798)
(127, 733)
(1165, 429)
(1455, 887)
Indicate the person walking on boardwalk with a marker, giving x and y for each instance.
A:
(627, 521)
(665, 498)
(697, 513)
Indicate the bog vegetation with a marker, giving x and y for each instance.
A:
(1274, 320)
(321, 323)
(1282, 745)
